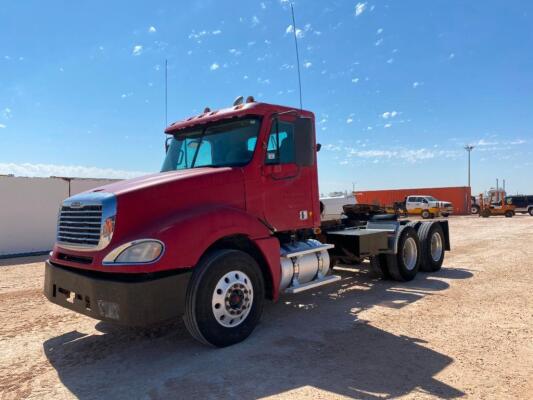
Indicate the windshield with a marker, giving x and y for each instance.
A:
(431, 198)
(219, 145)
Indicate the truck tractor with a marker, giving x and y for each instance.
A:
(233, 219)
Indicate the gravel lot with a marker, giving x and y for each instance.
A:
(466, 331)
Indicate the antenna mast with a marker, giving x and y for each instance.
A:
(166, 92)
(297, 54)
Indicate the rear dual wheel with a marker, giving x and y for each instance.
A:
(404, 265)
(224, 298)
(432, 246)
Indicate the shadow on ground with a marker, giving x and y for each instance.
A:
(312, 340)
(6, 262)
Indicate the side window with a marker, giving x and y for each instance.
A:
(280, 146)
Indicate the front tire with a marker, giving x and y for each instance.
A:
(425, 214)
(224, 300)
(530, 211)
(509, 214)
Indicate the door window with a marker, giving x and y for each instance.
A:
(280, 146)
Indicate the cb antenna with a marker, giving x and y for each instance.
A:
(166, 92)
(297, 54)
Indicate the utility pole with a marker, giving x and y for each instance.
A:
(469, 149)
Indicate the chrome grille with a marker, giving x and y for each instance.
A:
(80, 225)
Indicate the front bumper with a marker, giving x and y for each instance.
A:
(133, 300)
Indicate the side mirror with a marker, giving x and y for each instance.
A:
(304, 141)
(318, 147)
(167, 143)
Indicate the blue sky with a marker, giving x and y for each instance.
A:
(398, 87)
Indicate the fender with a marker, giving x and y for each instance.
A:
(187, 234)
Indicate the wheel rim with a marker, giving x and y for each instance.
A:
(473, 210)
(436, 246)
(409, 253)
(232, 299)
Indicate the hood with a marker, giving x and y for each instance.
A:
(143, 201)
(157, 179)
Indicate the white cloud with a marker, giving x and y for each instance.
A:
(378, 42)
(216, 32)
(308, 64)
(235, 52)
(389, 114)
(359, 8)
(451, 56)
(2, 126)
(517, 141)
(390, 60)
(299, 33)
(6, 113)
(255, 20)
(245, 77)
(152, 29)
(137, 50)
(263, 6)
(379, 31)
(416, 84)
(483, 142)
(214, 67)
(355, 80)
(349, 120)
(388, 125)
(78, 171)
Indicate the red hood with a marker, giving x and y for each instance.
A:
(158, 179)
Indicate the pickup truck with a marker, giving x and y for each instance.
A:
(426, 206)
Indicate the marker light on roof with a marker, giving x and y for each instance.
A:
(238, 101)
(250, 99)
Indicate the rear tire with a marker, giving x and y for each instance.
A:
(404, 265)
(509, 214)
(485, 213)
(224, 298)
(445, 215)
(378, 265)
(474, 209)
(425, 214)
(530, 211)
(432, 246)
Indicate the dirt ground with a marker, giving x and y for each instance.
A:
(466, 331)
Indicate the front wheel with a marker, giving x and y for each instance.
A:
(425, 214)
(509, 214)
(224, 299)
(530, 211)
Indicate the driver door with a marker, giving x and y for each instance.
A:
(288, 178)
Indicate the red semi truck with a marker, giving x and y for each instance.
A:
(232, 219)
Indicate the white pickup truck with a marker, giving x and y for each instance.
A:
(427, 206)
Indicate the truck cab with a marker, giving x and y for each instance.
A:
(232, 219)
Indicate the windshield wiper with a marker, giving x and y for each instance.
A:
(198, 148)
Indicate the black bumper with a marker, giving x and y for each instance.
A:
(138, 300)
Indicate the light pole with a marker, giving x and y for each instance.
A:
(469, 149)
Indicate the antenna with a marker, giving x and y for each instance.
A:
(166, 92)
(297, 54)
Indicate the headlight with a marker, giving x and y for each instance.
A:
(136, 252)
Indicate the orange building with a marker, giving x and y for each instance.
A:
(459, 196)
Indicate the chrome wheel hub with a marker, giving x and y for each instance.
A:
(436, 246)
(232, 299)
(409, 253)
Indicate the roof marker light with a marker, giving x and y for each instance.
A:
(239, 100)
(250, 99)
